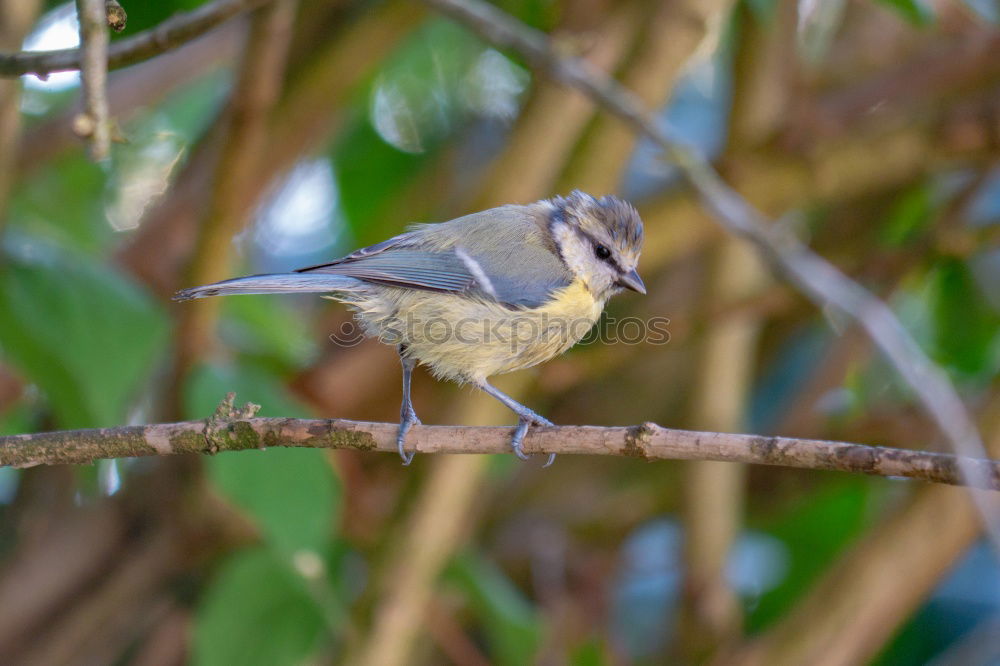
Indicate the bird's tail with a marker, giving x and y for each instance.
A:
(275, 283)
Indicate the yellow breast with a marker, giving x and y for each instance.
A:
(467, 339)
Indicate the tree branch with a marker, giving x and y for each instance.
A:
(647, 441)
(168, 35)
(94, 123)
(817, 278)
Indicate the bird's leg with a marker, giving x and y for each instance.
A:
(525, 418)
(407, 417)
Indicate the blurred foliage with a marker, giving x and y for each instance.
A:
(918, 12)
(257, 611)
(814, 531)
(966, 327)
(87, 342)
(289, 493)
(84, 334)
(513, 627)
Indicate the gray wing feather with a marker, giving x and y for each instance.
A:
(499, 254)
(406, 267)
(274, 283)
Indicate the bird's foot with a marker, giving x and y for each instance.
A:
(407, 418)
(524, 422)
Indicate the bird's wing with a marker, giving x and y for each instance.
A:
(412, 268)
(500, 259)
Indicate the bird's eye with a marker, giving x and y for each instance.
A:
(602, 252)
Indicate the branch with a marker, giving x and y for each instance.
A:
(820, 280)
(647, 441)
(168, 35)
(94, 122)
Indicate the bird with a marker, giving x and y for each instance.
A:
(487, 293)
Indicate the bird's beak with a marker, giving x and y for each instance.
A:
(631, 280)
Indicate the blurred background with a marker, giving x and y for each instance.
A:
(302, 130)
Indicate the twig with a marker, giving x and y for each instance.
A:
(94, 122)
(647, 441)
(168, 35)
(130, 93)
(820, 280)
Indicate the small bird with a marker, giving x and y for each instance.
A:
(487, 293)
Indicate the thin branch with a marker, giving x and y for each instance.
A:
(166, 36)
(820, 280)
(94, 122)
(647, 441)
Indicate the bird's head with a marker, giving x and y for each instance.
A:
(599, 240)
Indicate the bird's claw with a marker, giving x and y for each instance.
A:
(406, 420)
(517, 440)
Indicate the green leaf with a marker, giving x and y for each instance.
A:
(815, 530)
(917, 12)
(589, 653)
(911, 214)
(62, 203)
(965, 329)
(291, 494)
(370, 173)
(512, 625)
(82, 332)
(256, 611)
